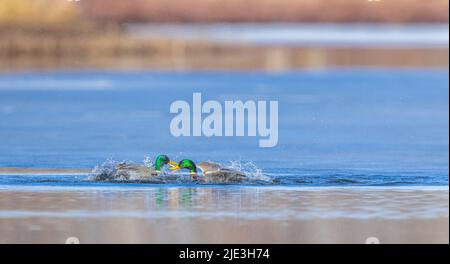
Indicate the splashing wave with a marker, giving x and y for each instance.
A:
(108, 172)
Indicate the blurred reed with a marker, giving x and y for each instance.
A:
(58, 33)
(330, 11)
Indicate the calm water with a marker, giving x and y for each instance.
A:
(214, 214)
(144, 201)
(336, 128)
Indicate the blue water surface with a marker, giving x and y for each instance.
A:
(343, 127)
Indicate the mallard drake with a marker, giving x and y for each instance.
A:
(133, 170)
(211, 171)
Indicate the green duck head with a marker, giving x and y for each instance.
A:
(162, 160)
(186, 164)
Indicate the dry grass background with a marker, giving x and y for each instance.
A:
(59, 33)
(268, 10)
(64, 12)
(38, 13)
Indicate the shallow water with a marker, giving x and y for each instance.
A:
(214, 202)
(143, 213)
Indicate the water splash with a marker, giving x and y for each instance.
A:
(104, 172)
(148, 161)
(253, 172)
(108, 172)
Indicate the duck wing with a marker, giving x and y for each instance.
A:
(209, 166)
(132, 169)
(232, 171)
(216, 172)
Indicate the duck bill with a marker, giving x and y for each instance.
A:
(173, 164)
(174, 168)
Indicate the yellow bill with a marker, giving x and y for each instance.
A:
(172, 164)
(174, 168)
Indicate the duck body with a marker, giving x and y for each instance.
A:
(129, 171)
(211, 171)
(126, 171)
(215, 172)
(134, 171)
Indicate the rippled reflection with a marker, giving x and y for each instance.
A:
(218, 214)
